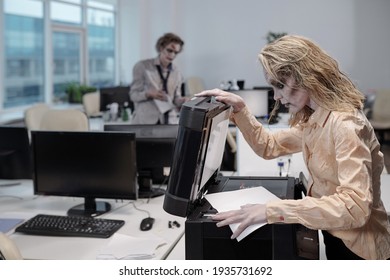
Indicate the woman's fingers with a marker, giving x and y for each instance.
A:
(247, 215)
(229, 217)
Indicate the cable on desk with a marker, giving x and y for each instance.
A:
(281, 165)
(119, 207)
(9, 184)
(288, 166)
(165, 181)
(142, 210)
(11, 196)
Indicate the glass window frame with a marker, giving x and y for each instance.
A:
(36, 12)
(49, 26)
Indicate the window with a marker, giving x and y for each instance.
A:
(23, 53)
(82, 49)
(65, 13)
(67, 61)
(101, 47)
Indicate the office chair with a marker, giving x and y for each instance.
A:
(64, 120)
(8, 249)
(91, 103)
(33, 115)
(380, 114)
(194, 85)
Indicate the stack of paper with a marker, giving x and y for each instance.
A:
(233, 200)
(125, 247)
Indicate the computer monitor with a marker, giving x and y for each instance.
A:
(15, 153)
(120, 95)
(85, 164)
(155, 146)
(256, 100)
(271, 100)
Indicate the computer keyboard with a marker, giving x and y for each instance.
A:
(77, 226)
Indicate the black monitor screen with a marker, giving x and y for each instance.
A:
(120, 95)
(85, 164)
(15, 154)
(155, 146)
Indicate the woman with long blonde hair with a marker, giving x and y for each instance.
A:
(339, 146)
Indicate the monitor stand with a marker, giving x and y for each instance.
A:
(90, 208)
(146, 189)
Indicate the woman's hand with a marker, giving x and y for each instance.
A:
(226, 97)
(247, 215)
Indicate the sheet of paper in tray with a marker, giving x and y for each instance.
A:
(232, 200)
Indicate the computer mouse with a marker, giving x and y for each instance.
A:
(146, 224)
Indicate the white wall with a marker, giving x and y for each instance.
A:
(223, 37)
(142, 23)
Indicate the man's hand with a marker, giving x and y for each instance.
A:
(157, 94)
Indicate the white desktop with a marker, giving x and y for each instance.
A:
(19, 202)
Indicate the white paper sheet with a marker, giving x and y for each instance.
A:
(232, 200)
(123, 247)
(164, 106)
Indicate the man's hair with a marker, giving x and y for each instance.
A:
(168, 38)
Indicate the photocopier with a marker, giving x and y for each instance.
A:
(195, 171)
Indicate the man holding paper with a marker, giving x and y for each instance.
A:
(156, 86)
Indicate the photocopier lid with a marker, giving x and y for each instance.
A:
(199, 148)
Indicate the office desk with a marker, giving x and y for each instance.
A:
(20, 202)
(97, 124)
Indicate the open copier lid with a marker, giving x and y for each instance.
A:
(203, 127)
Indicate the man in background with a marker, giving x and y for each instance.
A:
(156, 86)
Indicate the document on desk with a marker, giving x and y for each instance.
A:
(6, 224)
(232, 200)
(125, 247)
